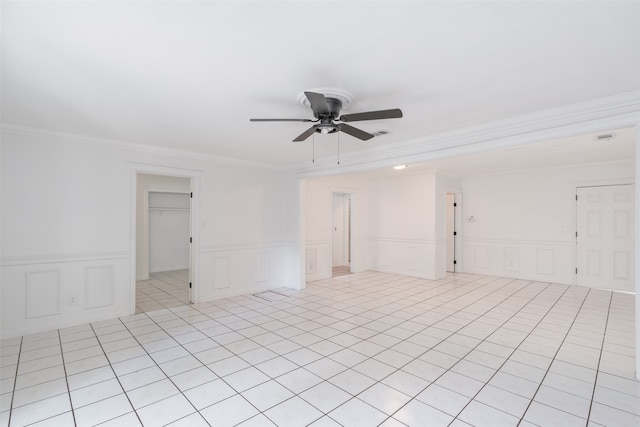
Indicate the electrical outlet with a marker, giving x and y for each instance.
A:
(72, 300)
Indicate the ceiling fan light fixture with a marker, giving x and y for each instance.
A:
(326, 128)
(400, 167)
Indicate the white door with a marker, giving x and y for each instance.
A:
(450, 230)
(606, 237)
(338, 230)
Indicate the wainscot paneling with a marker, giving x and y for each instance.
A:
(312, 261)
(262, 267)
(530, 260)
(545, 264)
(414, 258)
(240, 269)
(42, 293)
(511, 259)
(221, 265)
(99, 286)
(318, 260)
(56, 291)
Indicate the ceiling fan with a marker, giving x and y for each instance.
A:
(326, 110)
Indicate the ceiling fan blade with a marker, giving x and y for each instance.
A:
(281, 120)
(318, 103)
(306, 134)
(395, 113)
(360, 134)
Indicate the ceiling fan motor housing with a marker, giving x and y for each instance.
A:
(335, 105)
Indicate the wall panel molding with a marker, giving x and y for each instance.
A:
(262, 267)
(99, 286)
(409, 257)
(318, 262)
(40, 297)
(42, 290)
(63, 258)
(548, 261)
(221, 267)
(312, 261)
(511, 258)
(545, 261)
(240, 269)
(210, 249)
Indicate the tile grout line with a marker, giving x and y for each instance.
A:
(369, 309)
(595, 381)
(442, 340)
(481, 342)
(115, 375)
(367, 357)
(554, 358)
(372, 357)
(66, 379)
(514, 350)
(15, 381)
(169, 377)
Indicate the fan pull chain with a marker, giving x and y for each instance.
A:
(338, 148)
(313, 149)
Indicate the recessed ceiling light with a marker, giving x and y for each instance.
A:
(399, 167)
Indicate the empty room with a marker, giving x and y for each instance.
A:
(343, 213)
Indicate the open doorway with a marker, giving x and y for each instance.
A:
(341, 235)
(163, 242)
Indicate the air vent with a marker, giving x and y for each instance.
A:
(605, 136)
(381, 132)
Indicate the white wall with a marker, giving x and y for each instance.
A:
(524, 222)
(318, 223)
(68, 231)
(394, 222)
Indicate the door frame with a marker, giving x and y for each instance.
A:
(194, 255)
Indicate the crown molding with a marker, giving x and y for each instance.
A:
(170, 152)
(602, 114)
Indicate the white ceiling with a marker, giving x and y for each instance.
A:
(189, 75)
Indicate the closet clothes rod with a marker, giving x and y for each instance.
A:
(169, 209)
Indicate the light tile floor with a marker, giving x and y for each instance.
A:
(167, 289)
(366, 349)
